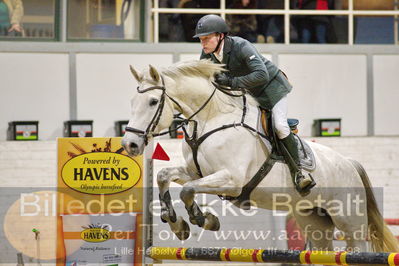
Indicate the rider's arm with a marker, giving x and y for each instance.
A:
(258, 73)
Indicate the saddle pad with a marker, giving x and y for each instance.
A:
(306, 154)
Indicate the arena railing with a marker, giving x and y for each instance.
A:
(287, 12)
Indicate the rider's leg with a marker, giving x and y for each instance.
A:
(283, 131)
(290, 144)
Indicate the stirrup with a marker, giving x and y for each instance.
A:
(303, 189)
(302, 181)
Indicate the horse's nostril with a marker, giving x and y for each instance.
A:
(133, 145)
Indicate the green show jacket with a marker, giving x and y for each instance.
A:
(251, 71)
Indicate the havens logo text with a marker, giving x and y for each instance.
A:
(95, 235)
(101, 173)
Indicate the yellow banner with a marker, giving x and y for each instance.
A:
(100, 203)
(95, 176)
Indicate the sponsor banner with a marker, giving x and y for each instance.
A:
(102, 240)
(27, 208)
(99, 203)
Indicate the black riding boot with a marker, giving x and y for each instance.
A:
(302, 183)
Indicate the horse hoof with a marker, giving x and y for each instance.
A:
(182, 229)
(198, 220)
(211, 222)
(185, 231)
(164, 217)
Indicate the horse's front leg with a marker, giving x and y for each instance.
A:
(219, 183)
(168, 214)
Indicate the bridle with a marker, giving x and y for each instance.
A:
(193, 141)
(149, 131)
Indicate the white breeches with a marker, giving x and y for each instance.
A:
(279, 114)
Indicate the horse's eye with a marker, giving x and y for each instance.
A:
(153, 102)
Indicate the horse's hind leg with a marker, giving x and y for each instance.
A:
(317, 228)
(351, 219)
(168, 214)
(354, 229)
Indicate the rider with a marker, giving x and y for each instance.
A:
(248, 69)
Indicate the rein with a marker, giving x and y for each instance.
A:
(194, 142)
(149, 132)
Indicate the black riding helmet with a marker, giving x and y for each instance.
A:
(209, 24)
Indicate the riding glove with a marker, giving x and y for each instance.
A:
(224, 79)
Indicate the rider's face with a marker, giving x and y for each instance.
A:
(209, 42)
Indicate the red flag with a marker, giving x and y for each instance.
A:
(160, 154)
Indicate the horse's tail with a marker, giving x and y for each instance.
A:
(381, 237)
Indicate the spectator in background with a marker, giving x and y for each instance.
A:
(313, 28)
(244, 26)
(170, 25)
(11, 12)
(270, 27)
(189, 21)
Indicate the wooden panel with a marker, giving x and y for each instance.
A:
(370, 4)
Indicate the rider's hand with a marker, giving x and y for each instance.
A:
(224, 79)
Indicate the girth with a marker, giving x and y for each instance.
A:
(243, 200)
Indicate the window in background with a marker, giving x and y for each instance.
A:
(178, 27)
(105, 19)
(27, 19)
(318, 29)
(181, 27)
(269, 28)
(243, 25)
(374, 30)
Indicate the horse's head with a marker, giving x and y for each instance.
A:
(151, 111)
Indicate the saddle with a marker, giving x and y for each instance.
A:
(306, 155)
(266, 128)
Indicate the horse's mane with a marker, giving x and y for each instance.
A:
(204, 68)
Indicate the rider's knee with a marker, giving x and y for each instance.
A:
(282, 131)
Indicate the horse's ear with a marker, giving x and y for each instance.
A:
(154, 74)
(137, 75)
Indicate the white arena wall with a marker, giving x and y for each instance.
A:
(54, 82)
